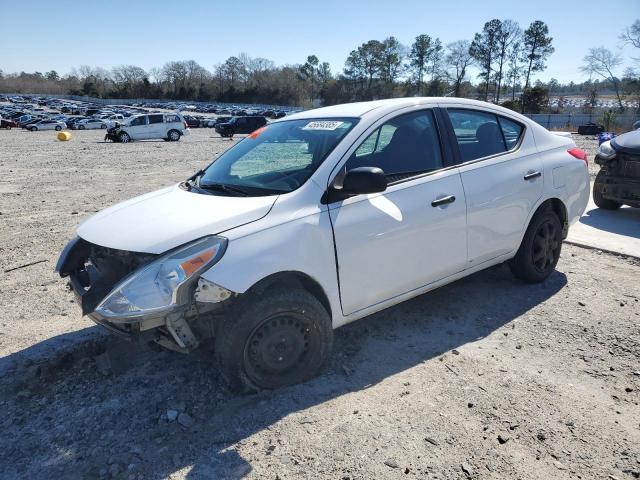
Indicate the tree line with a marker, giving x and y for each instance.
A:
(504, 56)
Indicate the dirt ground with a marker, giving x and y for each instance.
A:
(485, 378)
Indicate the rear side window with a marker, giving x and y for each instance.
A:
(478, 134)
(139, 121)
(404, 146)
(172, 118)
(511, 131)
(156, 119)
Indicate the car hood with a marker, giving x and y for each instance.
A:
(167, 218)
(627, 142)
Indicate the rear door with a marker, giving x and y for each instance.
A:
(414, 233)
(502, 176)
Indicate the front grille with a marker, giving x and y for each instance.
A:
(628, 165)
(94, 271)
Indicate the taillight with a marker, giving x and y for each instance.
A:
(579, 154)
(186, 125)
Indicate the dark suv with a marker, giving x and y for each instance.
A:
(240, 125)
(618, 181)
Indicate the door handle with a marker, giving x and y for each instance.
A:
(532, 175)
(443, 200)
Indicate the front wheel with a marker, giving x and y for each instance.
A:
(80, 127)
(124, 137)
(58, 128)
(599, 199)
(279, 338)
(103, 126)
(539, 251)
(34, 129)
(173, 135)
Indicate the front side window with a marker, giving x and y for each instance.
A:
(277, 158)
(139, 121)
(403, 147)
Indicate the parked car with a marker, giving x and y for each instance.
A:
(167, 126)
(90, 124)
(47, 125)
(8, 124)
(240, 125)
(212, 122)
(618, 181)
(590, 129)
(396, 192)
(193, 121)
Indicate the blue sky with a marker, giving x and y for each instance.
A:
(43, 35)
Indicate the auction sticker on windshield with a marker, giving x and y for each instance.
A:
(322, 125)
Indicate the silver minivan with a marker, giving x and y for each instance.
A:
(167, 126)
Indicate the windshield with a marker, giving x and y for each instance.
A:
(277, 158)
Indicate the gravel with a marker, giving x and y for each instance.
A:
(566, 401)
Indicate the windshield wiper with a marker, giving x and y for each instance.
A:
(223, 187)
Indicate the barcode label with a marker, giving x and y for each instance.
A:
(322, 125)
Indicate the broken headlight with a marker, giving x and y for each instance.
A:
(162, 284)
(606, 151)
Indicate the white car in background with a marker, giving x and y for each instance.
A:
(91, 124)
(47, 125)
(322, 218)
(166, 126)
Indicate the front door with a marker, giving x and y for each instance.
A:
(412, 234)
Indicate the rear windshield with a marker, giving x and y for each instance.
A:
(278, 158)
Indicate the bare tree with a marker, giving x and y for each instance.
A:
(458, 59)
(483, 50)
(508, 34)
(603, 62)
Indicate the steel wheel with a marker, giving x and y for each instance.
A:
(546, 247)
(278, 347)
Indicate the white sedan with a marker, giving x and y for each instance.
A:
(47, 125)
(323, 218)
(91, 124)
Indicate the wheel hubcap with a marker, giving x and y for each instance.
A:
(545, 246)
(278, 345)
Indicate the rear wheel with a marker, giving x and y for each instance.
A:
(539, 251)
(279, 338)
(58, 128)
(103, 126)
(599, 199)
(173, 135)
(34, 129)
(124, 137)
(80, 127)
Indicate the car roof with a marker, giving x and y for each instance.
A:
(361, 109)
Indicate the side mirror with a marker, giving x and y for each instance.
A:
(358, 181)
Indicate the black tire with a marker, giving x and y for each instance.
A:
(103, 126)
(33, 129)
(278, 338)
(173, 135)
(599, 200)
(8, 127)
(540, 249)
(58, 128)
(124, 137)
(80, 127)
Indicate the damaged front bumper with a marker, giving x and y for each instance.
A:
(93, 272)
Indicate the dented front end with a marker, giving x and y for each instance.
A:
(175, 306)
